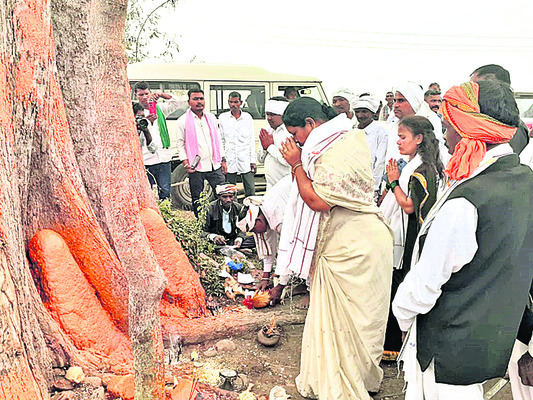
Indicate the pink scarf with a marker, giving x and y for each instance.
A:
(191, 141)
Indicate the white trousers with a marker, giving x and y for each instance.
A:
(520, 391)
(425, 388)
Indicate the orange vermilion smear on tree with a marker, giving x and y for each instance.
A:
(19, 384)
(186, 293)
(73, 303)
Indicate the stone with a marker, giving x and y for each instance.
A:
(121, 386)
(225, 345)
(210, 353)
(92, 381)
(63, 384)
(75, 374)
(278, 393)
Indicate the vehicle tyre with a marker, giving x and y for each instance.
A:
(180, 191)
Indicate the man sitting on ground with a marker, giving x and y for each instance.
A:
(221, 222)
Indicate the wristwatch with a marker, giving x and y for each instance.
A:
(393, 184)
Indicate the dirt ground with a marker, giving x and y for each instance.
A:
(279, 365)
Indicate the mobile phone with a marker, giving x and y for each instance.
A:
(152, 107)
(195, 162)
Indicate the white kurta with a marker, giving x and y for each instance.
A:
(275, 165)
(238, 138)
(526, 156)
(273, 207)
(377, 136)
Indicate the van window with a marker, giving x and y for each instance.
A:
(178, 89)
(252, 96)
(301, 91)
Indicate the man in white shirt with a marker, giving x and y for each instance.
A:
(434, 100)
(377, 134)
(465, 294)
(157, 162)
(237, 132)
(409, 100)
(386, 111)
(198, 138)
(275, 165)
(342, 100)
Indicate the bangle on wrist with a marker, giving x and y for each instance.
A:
(295, 166)
(393, 184)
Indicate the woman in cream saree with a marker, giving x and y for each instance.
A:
(336, 237)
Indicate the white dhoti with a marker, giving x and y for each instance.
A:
(421, 385)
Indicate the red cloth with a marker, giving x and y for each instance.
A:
(461, 109)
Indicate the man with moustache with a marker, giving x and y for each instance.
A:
(409, 100)
(237, 131)
(342, 102)
(365, 108)
(463, 299)
(157, 151)
(434, 100)
(498, 73)
(198, 135)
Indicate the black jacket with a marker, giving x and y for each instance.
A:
(213, 223)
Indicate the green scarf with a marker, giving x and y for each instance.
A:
(163, 130)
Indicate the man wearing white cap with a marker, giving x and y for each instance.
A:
(221, 221)
(342, 101)
(275, 165)
(377, 134)
(409, 100)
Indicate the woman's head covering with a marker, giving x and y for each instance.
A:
(413, 93)
(461, 109)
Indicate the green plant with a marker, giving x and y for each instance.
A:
(189, 231)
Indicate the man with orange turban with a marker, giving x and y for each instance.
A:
(463, 299)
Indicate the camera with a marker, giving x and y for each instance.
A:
(142, 123)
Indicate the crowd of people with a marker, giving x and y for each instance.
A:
(410, 220)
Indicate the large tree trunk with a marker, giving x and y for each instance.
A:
(72, 181)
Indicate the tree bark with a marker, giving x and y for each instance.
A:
(72, 178)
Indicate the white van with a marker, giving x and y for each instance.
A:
(524, 100)
(256, 85)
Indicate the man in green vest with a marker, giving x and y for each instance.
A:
(464, 297)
